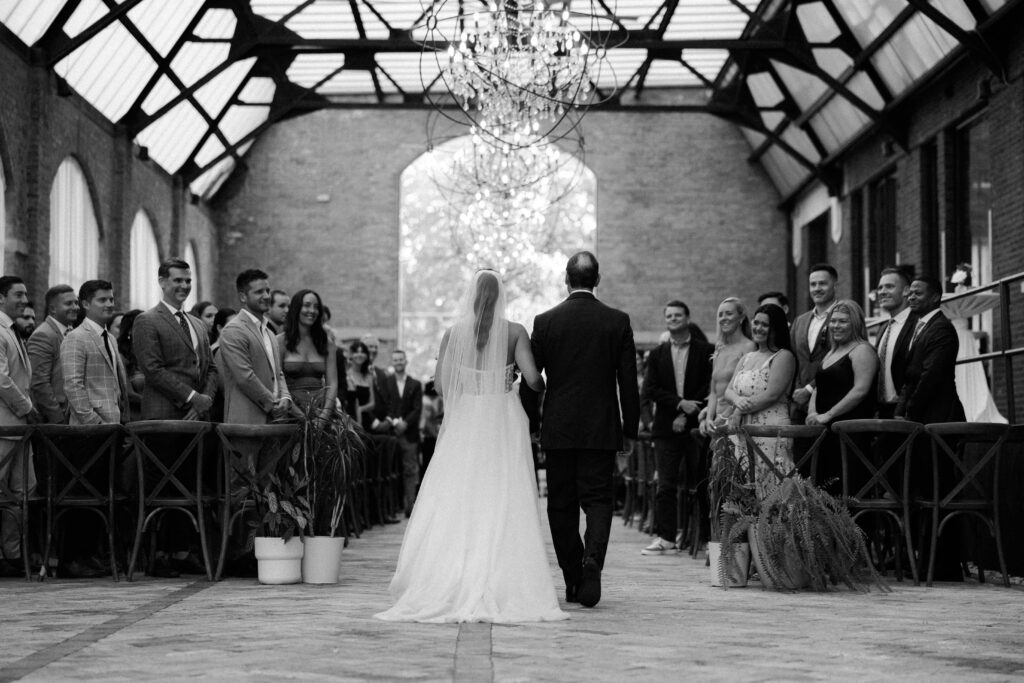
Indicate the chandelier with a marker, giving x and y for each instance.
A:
(519, 72)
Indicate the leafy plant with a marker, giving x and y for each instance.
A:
(282, 509)
(732, 497)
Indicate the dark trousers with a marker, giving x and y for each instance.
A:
(676, 458)
(580, 478)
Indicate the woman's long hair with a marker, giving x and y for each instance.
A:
(484, 302)
(124, 339)
(778, 327)
(355, 347)
(858, 328)
(316, 330)
(742, 311)
(219, 321)
(198, 309)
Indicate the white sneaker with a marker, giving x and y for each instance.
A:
(659, 547)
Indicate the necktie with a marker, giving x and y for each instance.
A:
(883, 351)
(917, 331)
(184, 326)
(106, 346)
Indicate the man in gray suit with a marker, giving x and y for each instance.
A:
(15, 409)
(173, 351)
(95, 381)
(809, 335)
(255, 391)
(44, 353)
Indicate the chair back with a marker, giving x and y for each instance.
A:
(78, 462)
(879, 485)
(22, 434)
(263, 447)
(162, 466)
(950, 442)
(814, 433)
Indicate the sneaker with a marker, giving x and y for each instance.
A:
(659, 547)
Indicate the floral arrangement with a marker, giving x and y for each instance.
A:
(961, 274)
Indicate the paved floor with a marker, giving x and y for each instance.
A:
(659, 620)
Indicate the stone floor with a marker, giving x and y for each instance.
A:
(659, 619)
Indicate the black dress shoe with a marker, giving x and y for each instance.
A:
(391, 520)
(589, 590)
(162, 568)
(570, 592)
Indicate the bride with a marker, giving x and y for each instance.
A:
(473, 548)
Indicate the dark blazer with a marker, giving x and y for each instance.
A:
(383, 396)
(660, 384)
(929, 385)
(807, 359)
(586, 349)
(172, 368)
(899, 353)
(408, 406)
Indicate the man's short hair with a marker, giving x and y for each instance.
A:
(173, 262)
(904, 272)
(89, 288)
(582, 270)
(8, 281)
(53, 292)
(401, 351)
(676, 303)
(779, 296)
(932, 283)
(276, 293)
(826, 268)
(247, 277)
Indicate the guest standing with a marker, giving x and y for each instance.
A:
(207, 312)
(136, 379)
(809, 335)
(277, 315)
(95, 381)
(360, 395)
(308, 356)
(407, 405)
(759, 392)
(894, 338)
(44, 353)
(733, 343)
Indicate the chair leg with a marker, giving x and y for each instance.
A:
(999, 546)
(935, 542)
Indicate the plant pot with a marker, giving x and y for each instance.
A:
(321, 562)
(737, 572)
(279, 562)
(791, 575)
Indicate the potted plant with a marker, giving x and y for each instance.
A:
(733, 499)
(330, 448)
(282, 511)
(801, 536)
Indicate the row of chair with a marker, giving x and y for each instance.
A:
(146, 469)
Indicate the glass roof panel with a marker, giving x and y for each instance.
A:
(84, 16)
(210, 150)
(957, 11)
(348, 81)
(162, 23)
(258, 90)
(29, 19)
(274, 9)
(798, 140)
(992, 5)
(772, 119)
(215, 94)
(239, 121)
(216, 24)
(754, 139)
(837, 123)
(705, 19)
(620, 66)
(764, 89)
(172, 137)
(309, 69)
(832, 60)
(785, 171)
(868, 18)
(667, 73)
(162, 93)
(634, 13)
(405, 70)
(804, 88)
(916, 48)
(817, 23)
(861, 85)
(195, 60)
(324, 20)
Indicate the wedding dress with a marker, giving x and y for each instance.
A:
(473, 550)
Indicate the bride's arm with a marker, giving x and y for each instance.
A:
(439, 368)
(524, 360)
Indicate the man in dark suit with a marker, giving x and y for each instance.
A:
(893, 338)
(587, 351)
(406, 405)
(809, 335)
(384, 399)
(678, 381)
(44, 352)
(173, 351)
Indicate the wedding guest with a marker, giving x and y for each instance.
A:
(136, 379)
(733, 343)
(894, 338)
(15, 409)
(205, 311)
(95, 381)
(308, 356)
(760, 388)
(809, 335)
(384, 399)
(777, 298)
(25, 324)
(407, 405)
(361, 399)
(677, 382)
(223, 317)
(430, 423)
(255, 391)
(844, 389)
(114, 327)
(277, 315)
(173, 350)
(62, 310)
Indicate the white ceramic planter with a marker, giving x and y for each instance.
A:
(279, 562)
(737, 573)
(321, 562)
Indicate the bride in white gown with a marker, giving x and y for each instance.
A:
(473, 550)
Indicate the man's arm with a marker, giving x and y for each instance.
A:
(10, 393)
(73, 361)
(654, 390)
(629, 392)
(938, 364)
(412, 418)
(149, 355)
(42, 357)
(235, 354)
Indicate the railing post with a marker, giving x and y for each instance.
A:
(1007, 344)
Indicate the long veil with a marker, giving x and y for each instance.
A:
(477, 350)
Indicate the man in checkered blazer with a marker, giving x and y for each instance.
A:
(94, 377)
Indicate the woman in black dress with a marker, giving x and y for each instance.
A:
(845, 388)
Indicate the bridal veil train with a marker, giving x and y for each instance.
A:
(473, 549)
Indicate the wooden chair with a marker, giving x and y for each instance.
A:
(816, 434)
(171, 480)
(79, 464)
(15, 504)
(879, 495)
(970, 492)
(631, 483)
(266, 448)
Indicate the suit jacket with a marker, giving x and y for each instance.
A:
(248, 374)
(660, 384)
(15, 376)
(898, 366)
(929, 384)
(587, 351)
(384, 397)
(408, 405)
(96, 386)
(47, 376)
(807, 359)
(173, 369)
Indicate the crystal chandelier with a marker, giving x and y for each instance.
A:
(519, 72)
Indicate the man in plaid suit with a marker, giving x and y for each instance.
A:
(94, 377)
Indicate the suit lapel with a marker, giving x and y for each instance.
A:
(97, 341)
(173, 322)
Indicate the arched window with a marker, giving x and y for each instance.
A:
(190, 259)
(145, 260)
(3, 218)
(74, 232)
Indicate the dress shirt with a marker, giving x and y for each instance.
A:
(191, 330)
(98, 330)
(268, 345)
(401, 385)
(680, 354)
(817, 321)
(63, 329)
(22, 351)
(896, 324)
(921, 322)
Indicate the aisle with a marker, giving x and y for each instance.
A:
(659, 620)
